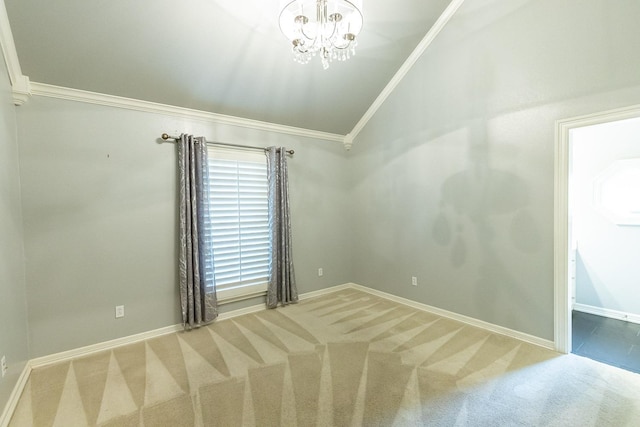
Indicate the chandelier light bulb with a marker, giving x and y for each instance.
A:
(327, 28)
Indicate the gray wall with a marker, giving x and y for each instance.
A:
(607, 270)
(451, 181)
(99, 197)
(13, 310)
(453, 177)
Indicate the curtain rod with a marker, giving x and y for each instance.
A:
(167, 136)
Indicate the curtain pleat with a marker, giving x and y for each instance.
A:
(197, 288)
(282, 282)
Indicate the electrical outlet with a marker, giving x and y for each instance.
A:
(3, 363)
(414, 281)
(320, 272)
(119, 311)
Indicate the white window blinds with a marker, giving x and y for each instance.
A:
(239, 221)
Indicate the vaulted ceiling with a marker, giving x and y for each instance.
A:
(221, 56)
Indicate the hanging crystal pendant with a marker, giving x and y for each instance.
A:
(325, 27)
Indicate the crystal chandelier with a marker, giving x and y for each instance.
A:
(327, 28)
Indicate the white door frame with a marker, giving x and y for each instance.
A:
(562, 297)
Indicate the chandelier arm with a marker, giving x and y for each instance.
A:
(305, 34)
(333, 33)
(345, 47)
(298, 49)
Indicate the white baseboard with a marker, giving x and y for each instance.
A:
(460, 318)
(108, 345)
(131, 339)
(64, 356)
(606, 312)
(325, 291)
(14, 397)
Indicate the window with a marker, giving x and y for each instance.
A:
(238, 223)
(617, 192)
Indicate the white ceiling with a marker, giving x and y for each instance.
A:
(220, 56)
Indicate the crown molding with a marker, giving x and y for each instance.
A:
(404, 69)
(19, 83)
(23, 89)
(51, 91)
(348, 141)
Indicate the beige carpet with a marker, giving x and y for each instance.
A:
(344, 359)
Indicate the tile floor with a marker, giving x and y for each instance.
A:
(606, 340)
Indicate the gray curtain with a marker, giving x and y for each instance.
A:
(197, 289)
(282, 282)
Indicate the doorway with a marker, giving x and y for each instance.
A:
(566, 261)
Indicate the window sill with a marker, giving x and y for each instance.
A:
(238, 294)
